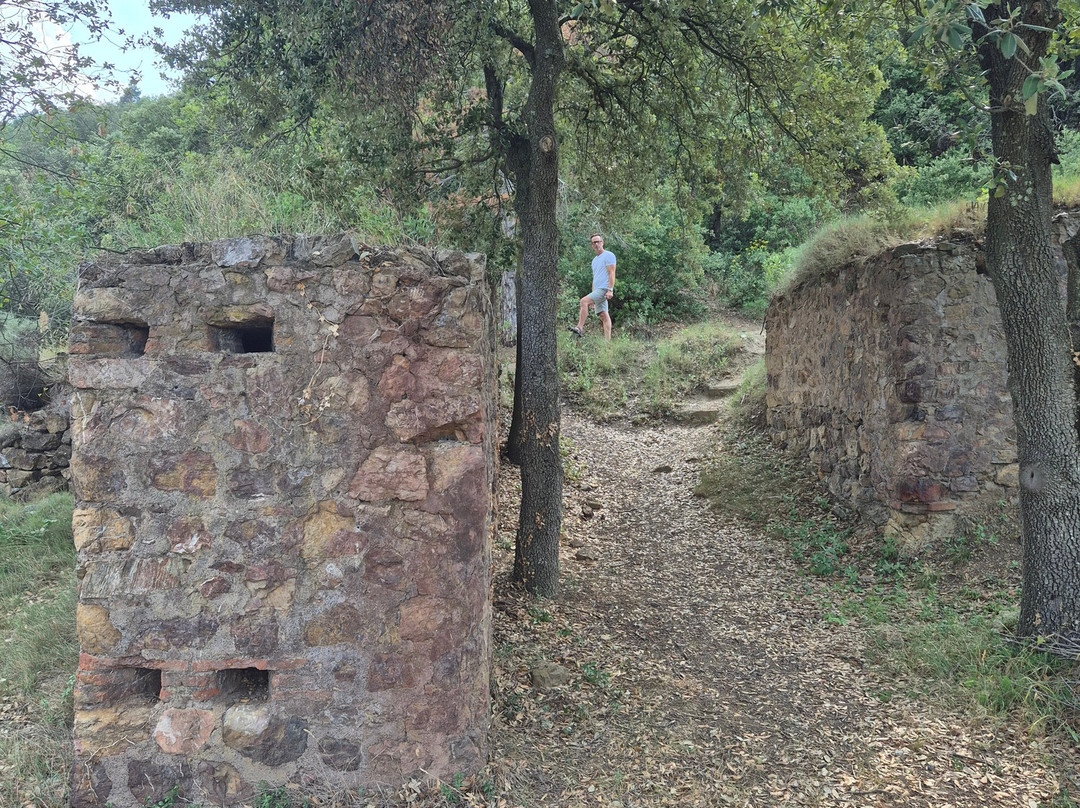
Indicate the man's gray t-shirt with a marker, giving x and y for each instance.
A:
(599, 269)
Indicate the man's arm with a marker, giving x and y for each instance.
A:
(610, 279)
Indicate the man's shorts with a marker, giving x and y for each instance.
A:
(599, 299)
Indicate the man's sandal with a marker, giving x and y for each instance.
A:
(575, 330)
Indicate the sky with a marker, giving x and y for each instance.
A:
(136, 20)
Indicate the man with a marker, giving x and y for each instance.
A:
(603, 284)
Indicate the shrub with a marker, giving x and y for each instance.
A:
(659, 250)
(746, 280)
(953, 175)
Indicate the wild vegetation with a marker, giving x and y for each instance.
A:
(720, 208)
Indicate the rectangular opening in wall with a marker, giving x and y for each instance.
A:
(245, 684)
(146, 683)
(252, 337)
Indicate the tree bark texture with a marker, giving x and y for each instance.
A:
(534, 161)
(513, 438)
(1021, 264)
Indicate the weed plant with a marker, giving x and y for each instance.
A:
(747, 406)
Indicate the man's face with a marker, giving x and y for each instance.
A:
(597, 244)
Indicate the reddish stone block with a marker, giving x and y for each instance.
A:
(214, 587)
(193, 473)
(188, 536)
(919, 490)
(90, 784)
(397, 670)
(385, 567)
(183, 732)
(939, 507)
(391, 473)
(249, 436)
(339, 624)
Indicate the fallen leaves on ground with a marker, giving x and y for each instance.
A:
(703, 671)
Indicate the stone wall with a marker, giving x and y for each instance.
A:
(890, 376)
(283, 461)
(35, 449)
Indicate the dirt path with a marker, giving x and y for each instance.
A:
(702, 668)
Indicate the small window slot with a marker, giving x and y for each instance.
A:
(245, 338)
(146, 683)
(245, 684)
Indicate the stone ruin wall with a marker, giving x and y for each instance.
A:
(283, 460)
(35, 451)
(890, 377)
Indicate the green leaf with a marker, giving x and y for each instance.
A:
(1007, 44)
(1031, 106)
(916, 35)
(976, 13)
(577, 10)
(957, 33)
(1031, 85)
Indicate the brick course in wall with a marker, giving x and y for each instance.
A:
(283, 462)
(890, 376)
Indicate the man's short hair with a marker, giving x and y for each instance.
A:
(596, 235)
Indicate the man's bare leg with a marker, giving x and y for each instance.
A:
(605, 318)
(583, 315)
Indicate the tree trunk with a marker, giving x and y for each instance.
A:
(1020, 262)
(534, 159)
(513, 438)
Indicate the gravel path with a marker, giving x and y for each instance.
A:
(702, 668)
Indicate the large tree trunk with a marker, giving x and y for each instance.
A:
(534, 159)
(1020, 262)
(513, 438)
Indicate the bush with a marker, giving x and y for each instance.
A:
(954, 175)
(1068, 154)
(747, 279)
(24, 383)
(659, 251)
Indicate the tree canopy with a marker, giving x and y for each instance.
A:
(642, 90)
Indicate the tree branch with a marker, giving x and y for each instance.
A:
(518, 42)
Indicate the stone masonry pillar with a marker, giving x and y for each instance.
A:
(283, 460)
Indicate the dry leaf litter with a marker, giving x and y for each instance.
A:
(701, 669)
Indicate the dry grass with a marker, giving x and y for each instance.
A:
(858, 238)
(37, 664)
(1067, 192)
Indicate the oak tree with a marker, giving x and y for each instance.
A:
(1016, 44)
(628, 90)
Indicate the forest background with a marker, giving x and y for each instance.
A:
(207, 162)
(194, 166)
